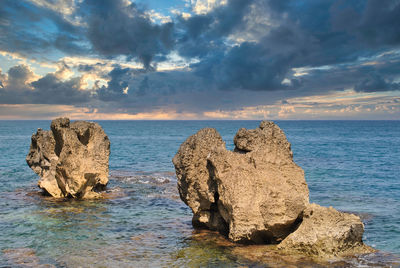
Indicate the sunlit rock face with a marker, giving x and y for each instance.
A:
(71, 158)
(257, 194)
(254, 194)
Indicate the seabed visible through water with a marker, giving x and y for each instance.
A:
(142, 222)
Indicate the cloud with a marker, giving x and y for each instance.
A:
(37, 29)
(19, 77)
(118, 86)
(205, 6)
(294, 38)
(205, 34)
(117, 27)
(375, 83)
(374, 26)
(22, 86)
(51, 90)
(226, 55)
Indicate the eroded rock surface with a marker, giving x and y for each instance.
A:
(71, 158)
(326, 232)
(255, 193)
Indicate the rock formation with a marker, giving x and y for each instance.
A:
(257, 194)
(326, 232)
(71, 158)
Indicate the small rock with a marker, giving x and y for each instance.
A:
(326, 233)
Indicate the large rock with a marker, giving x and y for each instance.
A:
(71, 158)
(256, 193)
(326, 233)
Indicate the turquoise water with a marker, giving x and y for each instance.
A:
(351, 165)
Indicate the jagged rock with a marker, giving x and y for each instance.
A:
(71, 158)
(326, 233)
(267, 143)
(256, 193)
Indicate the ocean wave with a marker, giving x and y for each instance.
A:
(157, 178)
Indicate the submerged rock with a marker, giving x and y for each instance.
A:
(255, 193)
(71, 158)
(326, 232)
(23, 257)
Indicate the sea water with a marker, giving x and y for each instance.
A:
(353, 166)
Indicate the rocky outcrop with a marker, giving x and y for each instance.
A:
(326, 232)
(71, 158)
(257, 194)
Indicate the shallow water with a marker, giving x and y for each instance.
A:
(350, 165)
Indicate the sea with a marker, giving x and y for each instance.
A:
(353, 166)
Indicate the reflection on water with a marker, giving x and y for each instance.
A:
(141, 222)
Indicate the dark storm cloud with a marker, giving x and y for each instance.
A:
(51, 90)
(200, 35)
(255, 66)
(178, 90)
(117, 29)
(374, 76)
(307, 33)
(119, 81)
(375, 83)
(139, 88)
(377, 24)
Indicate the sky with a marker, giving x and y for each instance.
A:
(200, 59)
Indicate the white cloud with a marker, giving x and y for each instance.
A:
(157, 17)
(205, 6)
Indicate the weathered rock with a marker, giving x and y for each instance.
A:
(256, 193)
(71, 159)
(326, 233)
(195, 186)
(260, 201)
